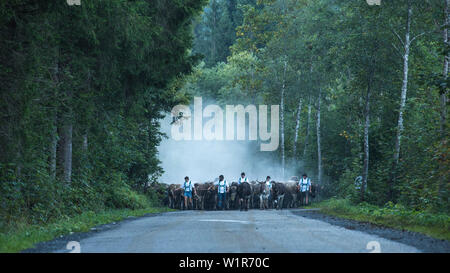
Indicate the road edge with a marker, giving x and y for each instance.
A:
(420, 241)
(60, 243)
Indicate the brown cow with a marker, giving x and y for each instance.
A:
(210, 198)
(244, 194)
(254, 199)
(278, 193)
(232, 198)
(171, 194)
(264, 193)
(293, 192)
(201, 190)
(179, 198)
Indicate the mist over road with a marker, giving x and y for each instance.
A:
(234, 232)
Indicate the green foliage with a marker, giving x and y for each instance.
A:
(215, 30)
(343, 48)
(390, 215)
(120, 195)
(82, 90)
(23, 235)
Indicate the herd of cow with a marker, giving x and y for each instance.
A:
(240, 196)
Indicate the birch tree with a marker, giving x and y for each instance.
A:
(400, 127)
(297, 127)
(283, 90)
(443, 103)
(406, 43)
(319, 151)
(365, 172)
(444, 99)
(308, 122)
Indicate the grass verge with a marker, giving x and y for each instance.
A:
(392, 216)
(24, 236)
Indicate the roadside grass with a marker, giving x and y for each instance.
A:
(435, 225)
(23, 236)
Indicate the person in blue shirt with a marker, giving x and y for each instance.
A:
(222, 190)
(242, 178)
(188, 187)
(304, 186)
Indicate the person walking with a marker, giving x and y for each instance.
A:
(222, 190)
(188, 187)
(266, 196)
(304, 185)
(242, 178)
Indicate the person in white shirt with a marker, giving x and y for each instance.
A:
(304, 186)
(242, 178)
(265, 197)
(222, 190)
(268, 183)
(188, 187)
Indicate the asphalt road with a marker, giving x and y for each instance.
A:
(234, 231)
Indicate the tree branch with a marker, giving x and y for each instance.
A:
(398, 51)
(398, 36)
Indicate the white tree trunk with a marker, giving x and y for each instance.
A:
(213, 31)
(400, 126)
(283, 159)
(305, 148)
(85, 144)
(297, 127)
(54, 137)
(19, 163)
(65, 145)
(67, 151)
(319, 151)
(445, 72)
(84, 148)
(443, 100)
(365, 173)
(53, 146)
(404, 90)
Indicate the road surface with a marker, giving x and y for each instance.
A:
(234, 232)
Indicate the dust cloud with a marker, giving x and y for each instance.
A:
(204, 160)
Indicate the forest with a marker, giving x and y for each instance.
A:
(362, 89)
(82, 91)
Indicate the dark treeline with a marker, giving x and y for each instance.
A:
(362, 89)
(81, 91)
